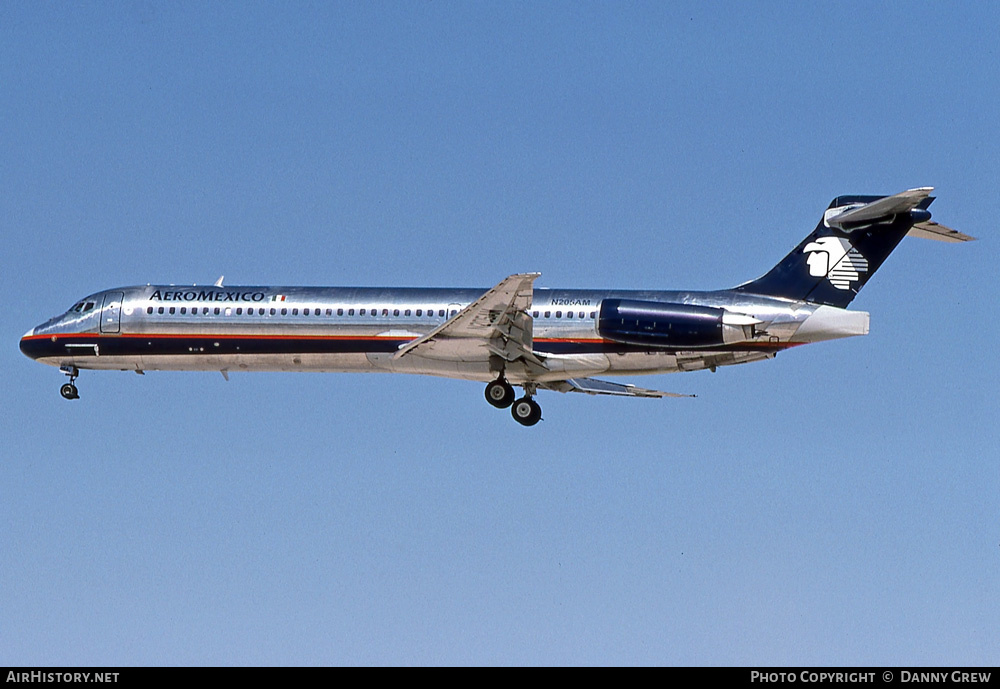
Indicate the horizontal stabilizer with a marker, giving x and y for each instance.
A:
(932, 230)
(902, 202)
(592, 386)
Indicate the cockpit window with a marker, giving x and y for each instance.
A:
(81, 307)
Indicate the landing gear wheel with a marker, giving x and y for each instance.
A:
(526, 411)
(68, 390)
(500, 394)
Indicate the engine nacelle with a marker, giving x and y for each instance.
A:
(662, 324)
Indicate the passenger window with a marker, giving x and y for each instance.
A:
(184, 310)
(273, 311)
(548, 313)
(217, 310)
(340, 312)
(362, 312)
(420, 312)
(149, 309)
(160, 310)
(284, 312)
(441, 312)
(569, 314)
(295, 312)
(395, 312)
(406, 313)
(350, 312)
(329, 312)
(172, 310)
(580, 315)
(385, 312)
(534, 314)
(593, 314)
(305, 312)
(239, 311)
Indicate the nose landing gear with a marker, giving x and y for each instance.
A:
(68, 390)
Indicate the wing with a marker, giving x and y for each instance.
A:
(592, 386)
(497, 323)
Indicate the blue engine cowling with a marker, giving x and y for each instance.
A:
(663, 324)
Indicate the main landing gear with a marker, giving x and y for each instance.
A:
(525, 411)
(500, 394)
(68, 390)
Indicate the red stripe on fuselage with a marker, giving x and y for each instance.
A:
(736, 346)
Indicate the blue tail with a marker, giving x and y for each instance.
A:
(851, 241)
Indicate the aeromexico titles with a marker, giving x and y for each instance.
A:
(511, 335)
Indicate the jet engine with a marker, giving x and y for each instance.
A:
(672, 325)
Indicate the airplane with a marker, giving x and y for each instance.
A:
(513, 334)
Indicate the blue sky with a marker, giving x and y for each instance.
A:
(836, 505)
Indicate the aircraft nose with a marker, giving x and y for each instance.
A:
(26, 345)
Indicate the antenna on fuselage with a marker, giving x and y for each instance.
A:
(218, 283)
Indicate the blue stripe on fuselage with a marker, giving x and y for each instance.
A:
(47, 346)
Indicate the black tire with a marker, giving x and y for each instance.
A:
(69, 391)
(526, 411)
(500, 394)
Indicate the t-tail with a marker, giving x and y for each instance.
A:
(851, 241)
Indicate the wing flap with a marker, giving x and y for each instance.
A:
(593, 386)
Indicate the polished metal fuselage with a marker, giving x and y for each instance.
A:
(358, 329)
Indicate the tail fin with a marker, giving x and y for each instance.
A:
(851, 241)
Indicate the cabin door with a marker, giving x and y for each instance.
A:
(111, 314)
